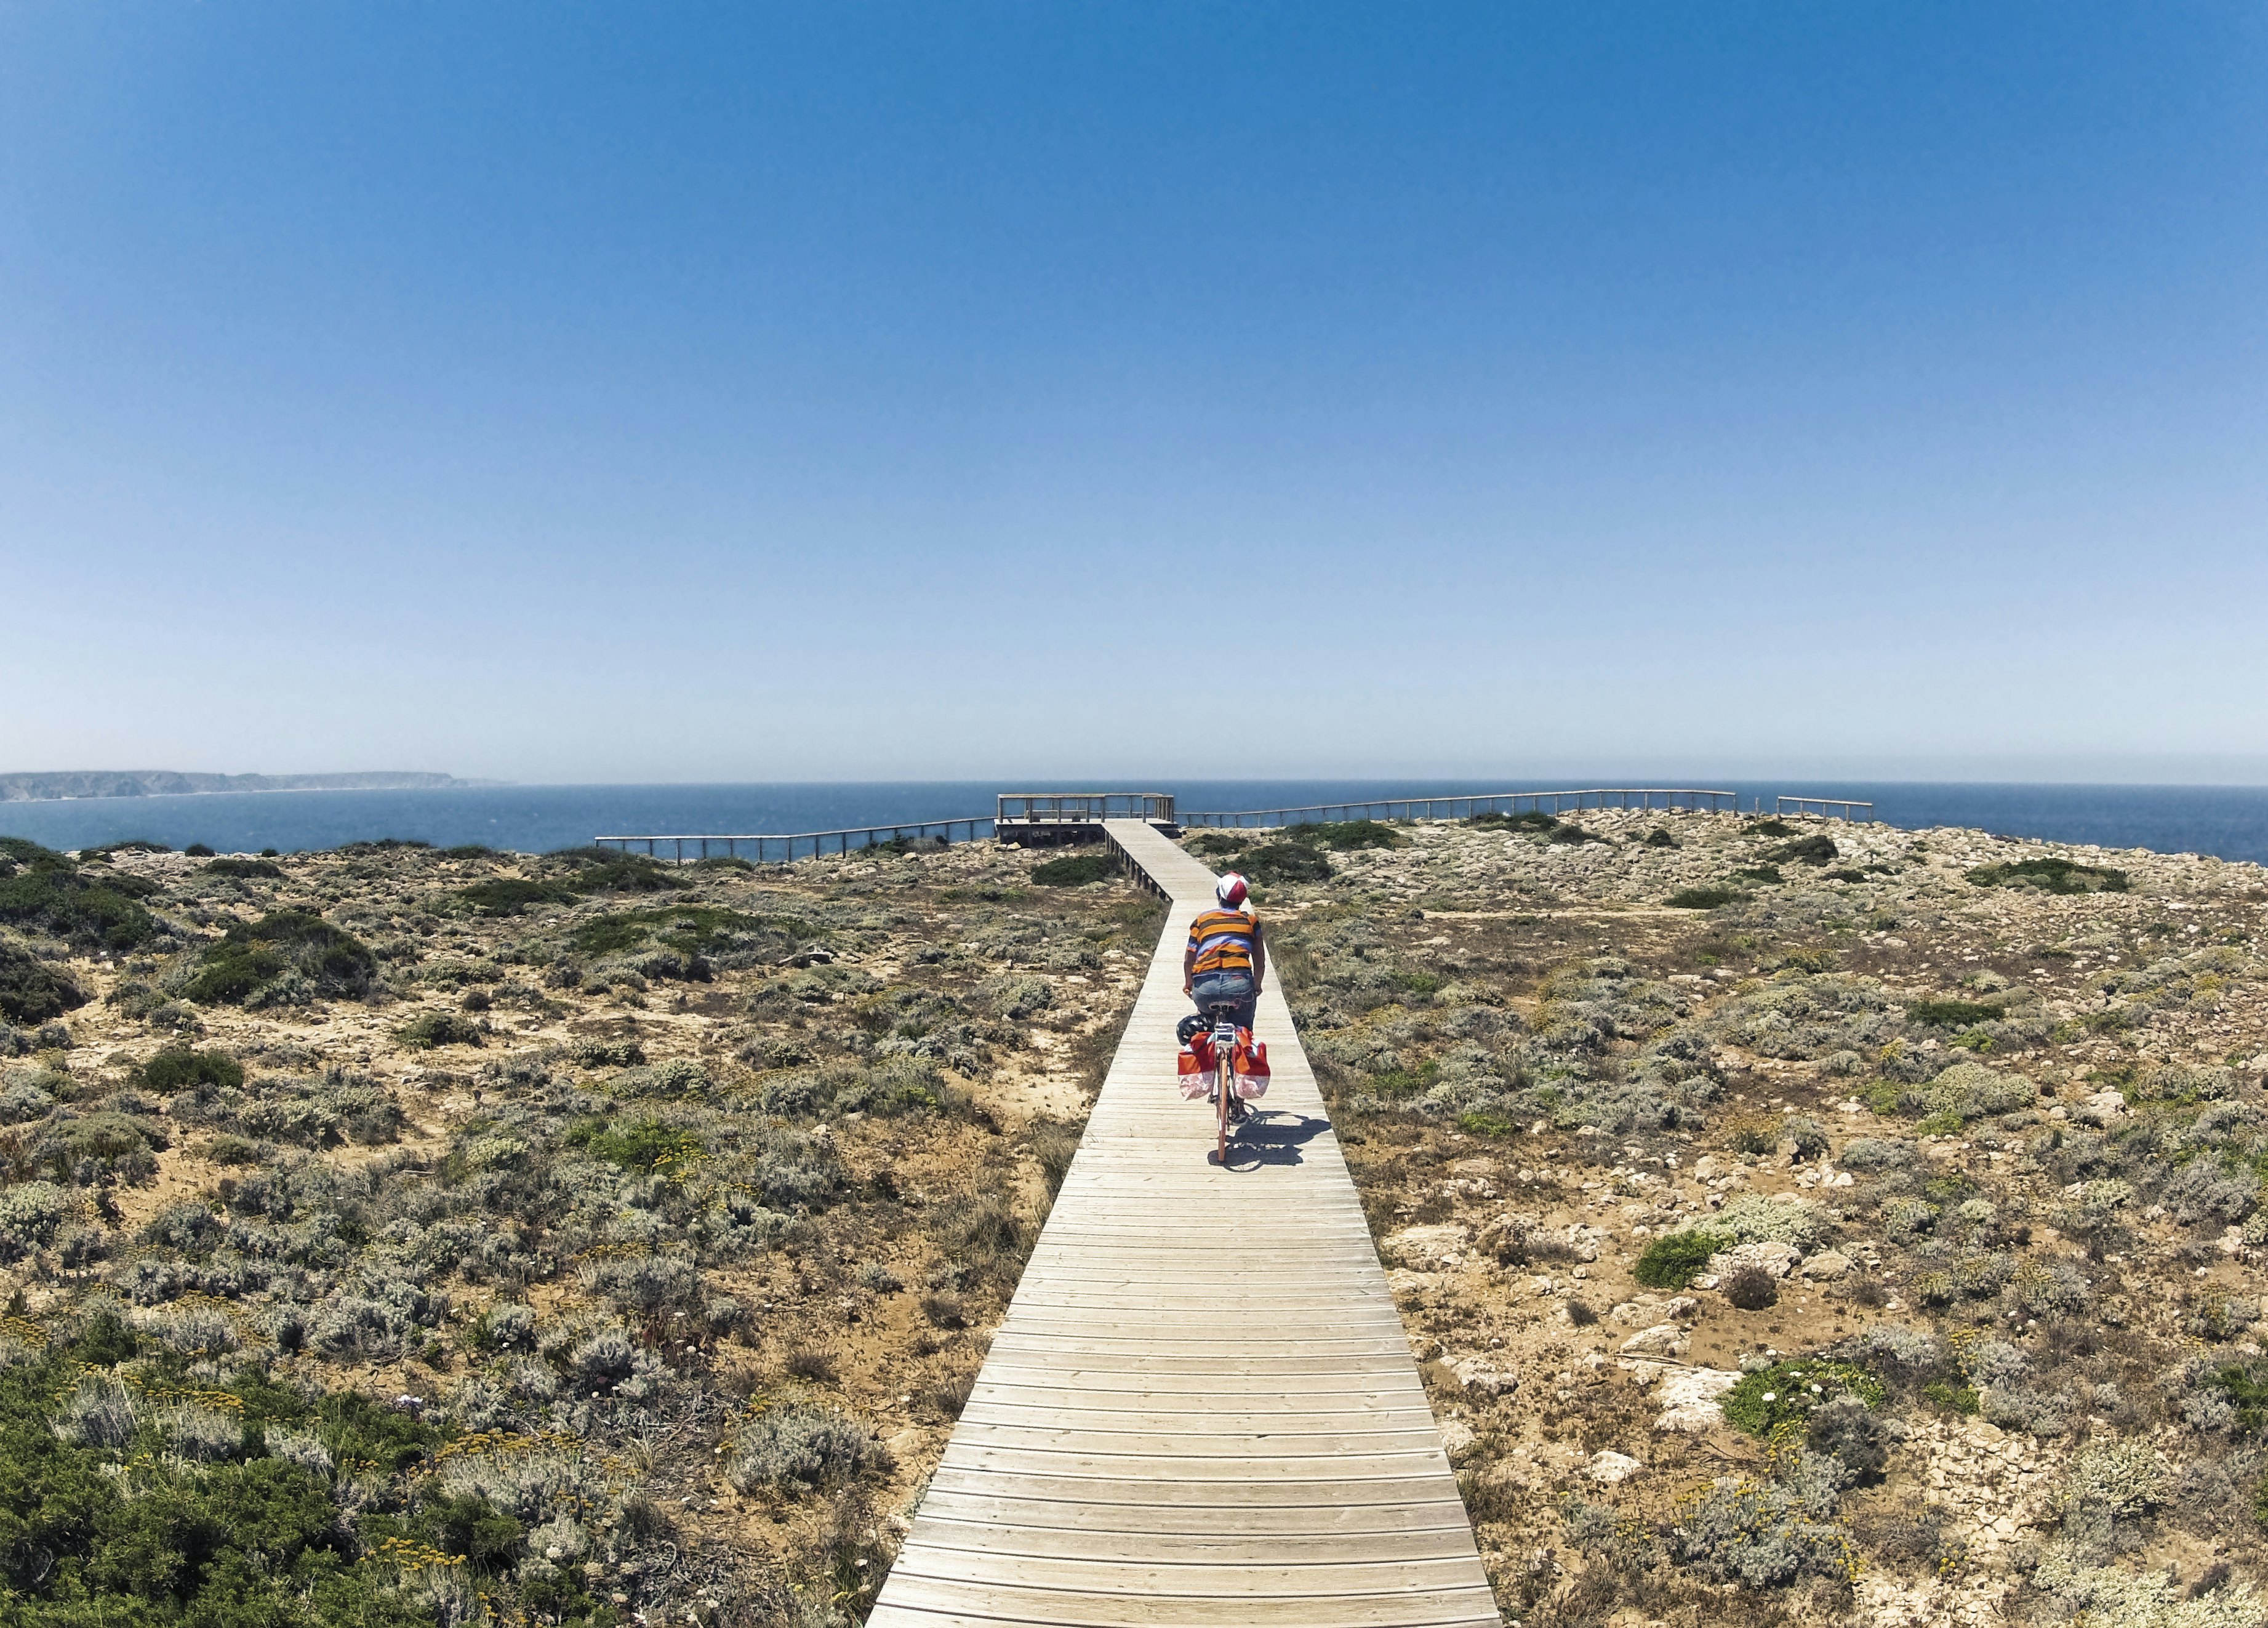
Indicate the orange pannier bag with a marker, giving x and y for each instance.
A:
(1250, 1063)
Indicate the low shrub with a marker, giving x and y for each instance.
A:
(198, 851)
(1572, 835)
(429, 1029)
(1750, 1288)
(231, 866)
(1766, 1533)
(1970, 1091)
(285, 958)
(1953, 1013)
(1527, 819)
(1054, 1144)
(1817, 851)
(640, 1146)
(795, 1450)
(177, 1067)
(1701, 898)
(88, 1150)
(46, 891)
(1285, 862)
(33, 990)
(1346, 835)
(1788, 1393)
(2051, 876)
(508, 895)
(1073, 871)
(1674, 1260)
(606, 870)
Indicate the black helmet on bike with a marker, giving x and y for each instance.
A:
(1190, 1028)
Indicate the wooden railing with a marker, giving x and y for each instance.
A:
(1022, 813)
(1083, 807)
(1806, 805)
(1466, 807)
(784, 846)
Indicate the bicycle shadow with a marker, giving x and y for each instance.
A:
(1273, 1139)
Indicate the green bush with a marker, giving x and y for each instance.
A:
(1659, 838)
(1674, 1260)
(1700, 898)
(198, 851)
(1527, 819)
(89, 1150)
(1768, 826)
(1953, 1013)
(1346, 835)
(1283, 862)
(2051, 876)
(42, 890)
(177, 1067)
(1572, 835)
(32, 990)
(429, 1029)
(230, 865)
(642, 1146)
(606, 870)
(287, 957)
(1787, 1393)
(1072, 870)
(508, 895)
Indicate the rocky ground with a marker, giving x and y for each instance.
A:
(1871, 1238)
(407, 1236)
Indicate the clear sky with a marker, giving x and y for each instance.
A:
(560, 392)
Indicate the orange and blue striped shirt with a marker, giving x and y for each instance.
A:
(1222, 940)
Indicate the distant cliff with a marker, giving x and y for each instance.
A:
(170, 782)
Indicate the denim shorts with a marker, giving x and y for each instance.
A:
(1229, 986)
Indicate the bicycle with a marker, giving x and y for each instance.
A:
(1230, 1109)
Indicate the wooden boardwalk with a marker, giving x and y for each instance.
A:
(1201, 1407)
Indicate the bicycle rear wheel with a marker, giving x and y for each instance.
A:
(1225, 1089)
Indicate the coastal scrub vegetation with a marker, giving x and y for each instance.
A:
(401, 1235)
(1874, 1238)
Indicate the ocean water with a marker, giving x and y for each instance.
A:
(2230, 821)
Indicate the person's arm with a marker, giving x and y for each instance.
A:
(1189, 967)
(1259, 958)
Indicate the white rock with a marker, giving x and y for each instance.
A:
(1427, 1246)
(1402, 1281)
(1457, 1437)
(1609, 1466)
(1480, 1375)
(1684, 1308)
(1663, 1340)
(2103, 1107)
(1827, 1264)
(1689, 1399)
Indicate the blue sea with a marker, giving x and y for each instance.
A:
(2231, 822)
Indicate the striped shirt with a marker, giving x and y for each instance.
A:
(1222, 941)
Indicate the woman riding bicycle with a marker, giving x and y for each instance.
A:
(1226, 962)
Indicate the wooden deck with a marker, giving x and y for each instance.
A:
(1201, 1407)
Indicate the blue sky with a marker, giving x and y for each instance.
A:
(588, 393)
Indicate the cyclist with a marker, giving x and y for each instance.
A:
(1227, 957)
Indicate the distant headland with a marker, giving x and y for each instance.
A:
(78, 783)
